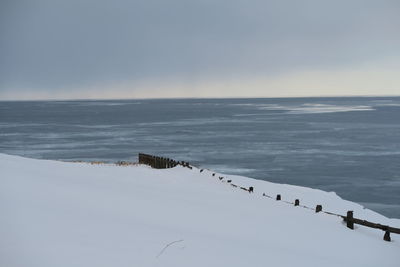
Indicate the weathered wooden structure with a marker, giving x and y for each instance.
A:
(160, 162)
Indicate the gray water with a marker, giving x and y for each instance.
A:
(347, 145)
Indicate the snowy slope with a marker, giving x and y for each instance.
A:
(77, 214)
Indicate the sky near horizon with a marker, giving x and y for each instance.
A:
(69, 49)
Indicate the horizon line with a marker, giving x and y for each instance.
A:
(188, 98)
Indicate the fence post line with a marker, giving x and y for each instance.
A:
(349, 219)
(163, 163)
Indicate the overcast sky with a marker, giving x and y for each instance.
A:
(55, 49)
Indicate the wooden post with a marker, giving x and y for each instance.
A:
(386, 237)
(158, 163)
(318, 208)
(278, 197)
(349, 219)
(297, 202)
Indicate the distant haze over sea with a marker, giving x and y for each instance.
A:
(347, 145)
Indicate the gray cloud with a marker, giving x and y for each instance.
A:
(57, 44)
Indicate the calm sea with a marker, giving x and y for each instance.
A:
(347, 145)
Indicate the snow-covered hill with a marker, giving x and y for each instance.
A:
(76, 214)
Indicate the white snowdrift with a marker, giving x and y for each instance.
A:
(76, 214)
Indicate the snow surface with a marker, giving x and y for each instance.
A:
(77, 214)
